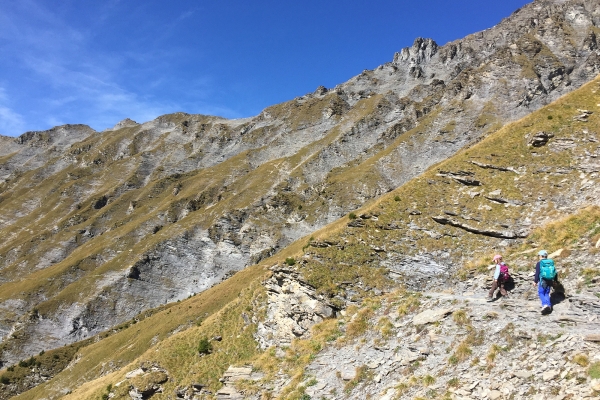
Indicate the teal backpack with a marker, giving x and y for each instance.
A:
(547, 269)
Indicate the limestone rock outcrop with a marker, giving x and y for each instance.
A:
(293, 308)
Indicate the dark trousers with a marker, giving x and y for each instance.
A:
(498, 284)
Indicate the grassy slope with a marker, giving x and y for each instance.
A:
(121, 348)
(430, 194)
(154, 200)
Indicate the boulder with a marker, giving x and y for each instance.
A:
(593, 337)
(522, 374)
(550, 375)
(495, 394)
(540, 139)
(430, 316)
(237, 373)
(348, 373)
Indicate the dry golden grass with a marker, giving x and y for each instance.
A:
(581, 359)
(328, 268)
(461, 318)
(124, 347)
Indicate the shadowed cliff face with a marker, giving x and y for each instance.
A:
(99, 226)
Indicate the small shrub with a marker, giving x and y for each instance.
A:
(581, 359)
(409, 304)
(454, 382)
(460, 317)
(401, 388)
(396, 198)
(360, 323)
(428, 380)
(588, 274)
(386, 328)
(550, 117)
(4, 380)
(352, 215)
(290, 261)
(432, 394)
(362, 374)
(494, 350)
(205, 346)
(594, 370)
(463, 351)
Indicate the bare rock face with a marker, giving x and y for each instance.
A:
(293, 308)
(504, 234)
(230, 377)
(150, 213)
(142, 383)
(540, 139)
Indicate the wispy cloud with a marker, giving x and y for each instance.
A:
(10, 121)
(72, 79)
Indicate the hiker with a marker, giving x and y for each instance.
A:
(501, 276)
(545, 276)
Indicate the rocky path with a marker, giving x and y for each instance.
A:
(459, 346)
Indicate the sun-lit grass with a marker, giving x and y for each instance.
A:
(129, 344)
(356, 258)
(460, 318)
(581, 359)
(594, 370)
(409, 304)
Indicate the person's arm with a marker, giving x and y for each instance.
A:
(497, 272)
(536, 278)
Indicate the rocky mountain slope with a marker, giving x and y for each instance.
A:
(99, 226)
(389, 301)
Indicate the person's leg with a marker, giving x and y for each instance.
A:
(502, 289)
(541, 293)
(548, 297)
(493, 289)
(544, 293)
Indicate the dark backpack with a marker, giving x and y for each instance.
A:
(504, 275)
(547, 269)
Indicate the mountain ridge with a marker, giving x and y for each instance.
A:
(346, 258)
(184, 191)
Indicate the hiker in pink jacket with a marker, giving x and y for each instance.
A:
(501, 276)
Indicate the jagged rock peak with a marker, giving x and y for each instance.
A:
(127, 122)
(421, 51)
(321, 90)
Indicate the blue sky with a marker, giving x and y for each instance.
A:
(98, 62)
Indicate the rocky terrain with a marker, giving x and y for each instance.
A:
(389, 301)
(100, 226)
(106, 233)
(453, 344)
